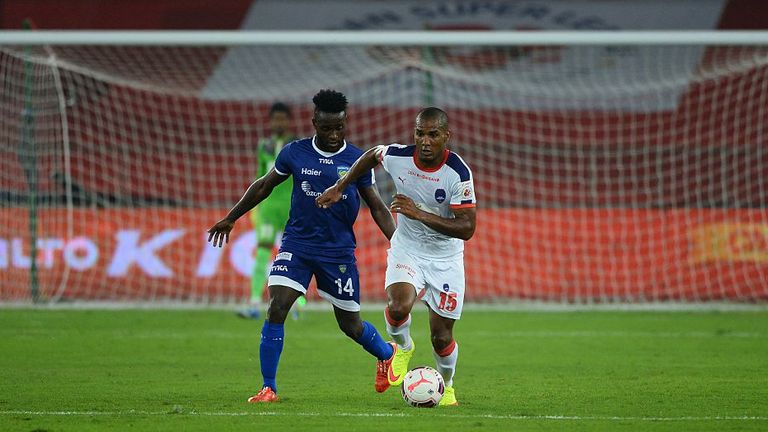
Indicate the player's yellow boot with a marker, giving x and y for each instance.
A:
(449, 398)
(399, 366)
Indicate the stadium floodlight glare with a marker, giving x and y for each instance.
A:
(610, 167)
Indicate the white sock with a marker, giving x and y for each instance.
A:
(401, 333)
(446, 364)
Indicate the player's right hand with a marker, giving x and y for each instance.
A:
(329, 197)
(218, 234)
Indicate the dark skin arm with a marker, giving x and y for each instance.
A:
(257, 192)
(379, 211)
(462, 226)
(362, 165)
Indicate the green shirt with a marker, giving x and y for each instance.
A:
(274, 209)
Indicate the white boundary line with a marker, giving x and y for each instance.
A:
(162, 334)
(404, 415)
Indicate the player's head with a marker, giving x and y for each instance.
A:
(280, 118)
(330, 119)
(431, 135)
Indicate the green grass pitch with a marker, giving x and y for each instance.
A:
(83, 370)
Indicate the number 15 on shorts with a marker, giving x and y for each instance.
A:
(447, 301)
(346, 287)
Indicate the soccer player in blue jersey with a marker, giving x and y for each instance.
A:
(317, 242)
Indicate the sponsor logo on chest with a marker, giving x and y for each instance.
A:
(423, 176)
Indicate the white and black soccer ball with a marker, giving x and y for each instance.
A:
(423, 387)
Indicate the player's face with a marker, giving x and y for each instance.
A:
(279, 123)
(330, 128)
(430, 140)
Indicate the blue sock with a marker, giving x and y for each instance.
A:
(373, 343)
(269, 352)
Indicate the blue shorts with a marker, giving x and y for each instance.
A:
(339, 283)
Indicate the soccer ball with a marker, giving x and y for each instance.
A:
(422, 387)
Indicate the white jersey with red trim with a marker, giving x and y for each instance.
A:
(436, 190)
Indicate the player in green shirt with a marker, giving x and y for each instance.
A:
(270, 216)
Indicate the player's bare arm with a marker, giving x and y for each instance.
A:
(366, 162)
(461, 226)
(379, 210)
(259, 190)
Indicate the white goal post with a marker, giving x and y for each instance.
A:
(610, 167)
(230, 38)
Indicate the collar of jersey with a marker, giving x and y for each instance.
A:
(325, 153)
(446, 153)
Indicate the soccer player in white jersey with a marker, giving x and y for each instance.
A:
(435, 201)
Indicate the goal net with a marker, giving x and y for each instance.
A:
(604, 173)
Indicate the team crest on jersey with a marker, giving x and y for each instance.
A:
(446, 288)
(343, 268)
(342, 171)
(440, 195)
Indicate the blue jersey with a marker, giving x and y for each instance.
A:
(325, 233)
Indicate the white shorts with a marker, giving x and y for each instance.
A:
(440, 283)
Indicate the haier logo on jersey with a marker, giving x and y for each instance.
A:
(440, 195)
(311, 172)
(342, 171)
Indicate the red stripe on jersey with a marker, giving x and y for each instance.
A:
(456, 206)
(446, 153)
(447, 350)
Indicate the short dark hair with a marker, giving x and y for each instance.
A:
(280, 107)
(330, 101)
(433, 113)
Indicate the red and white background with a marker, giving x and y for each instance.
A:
(603, 174)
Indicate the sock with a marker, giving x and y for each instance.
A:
(260, 272)
(446, 362)
(400, 331)
(373, 343)
(269, 352)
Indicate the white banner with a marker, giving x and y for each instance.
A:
(563, 78)
(483, 15)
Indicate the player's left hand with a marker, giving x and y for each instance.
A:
(405, 206)
(218, 234)
(328, 197)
